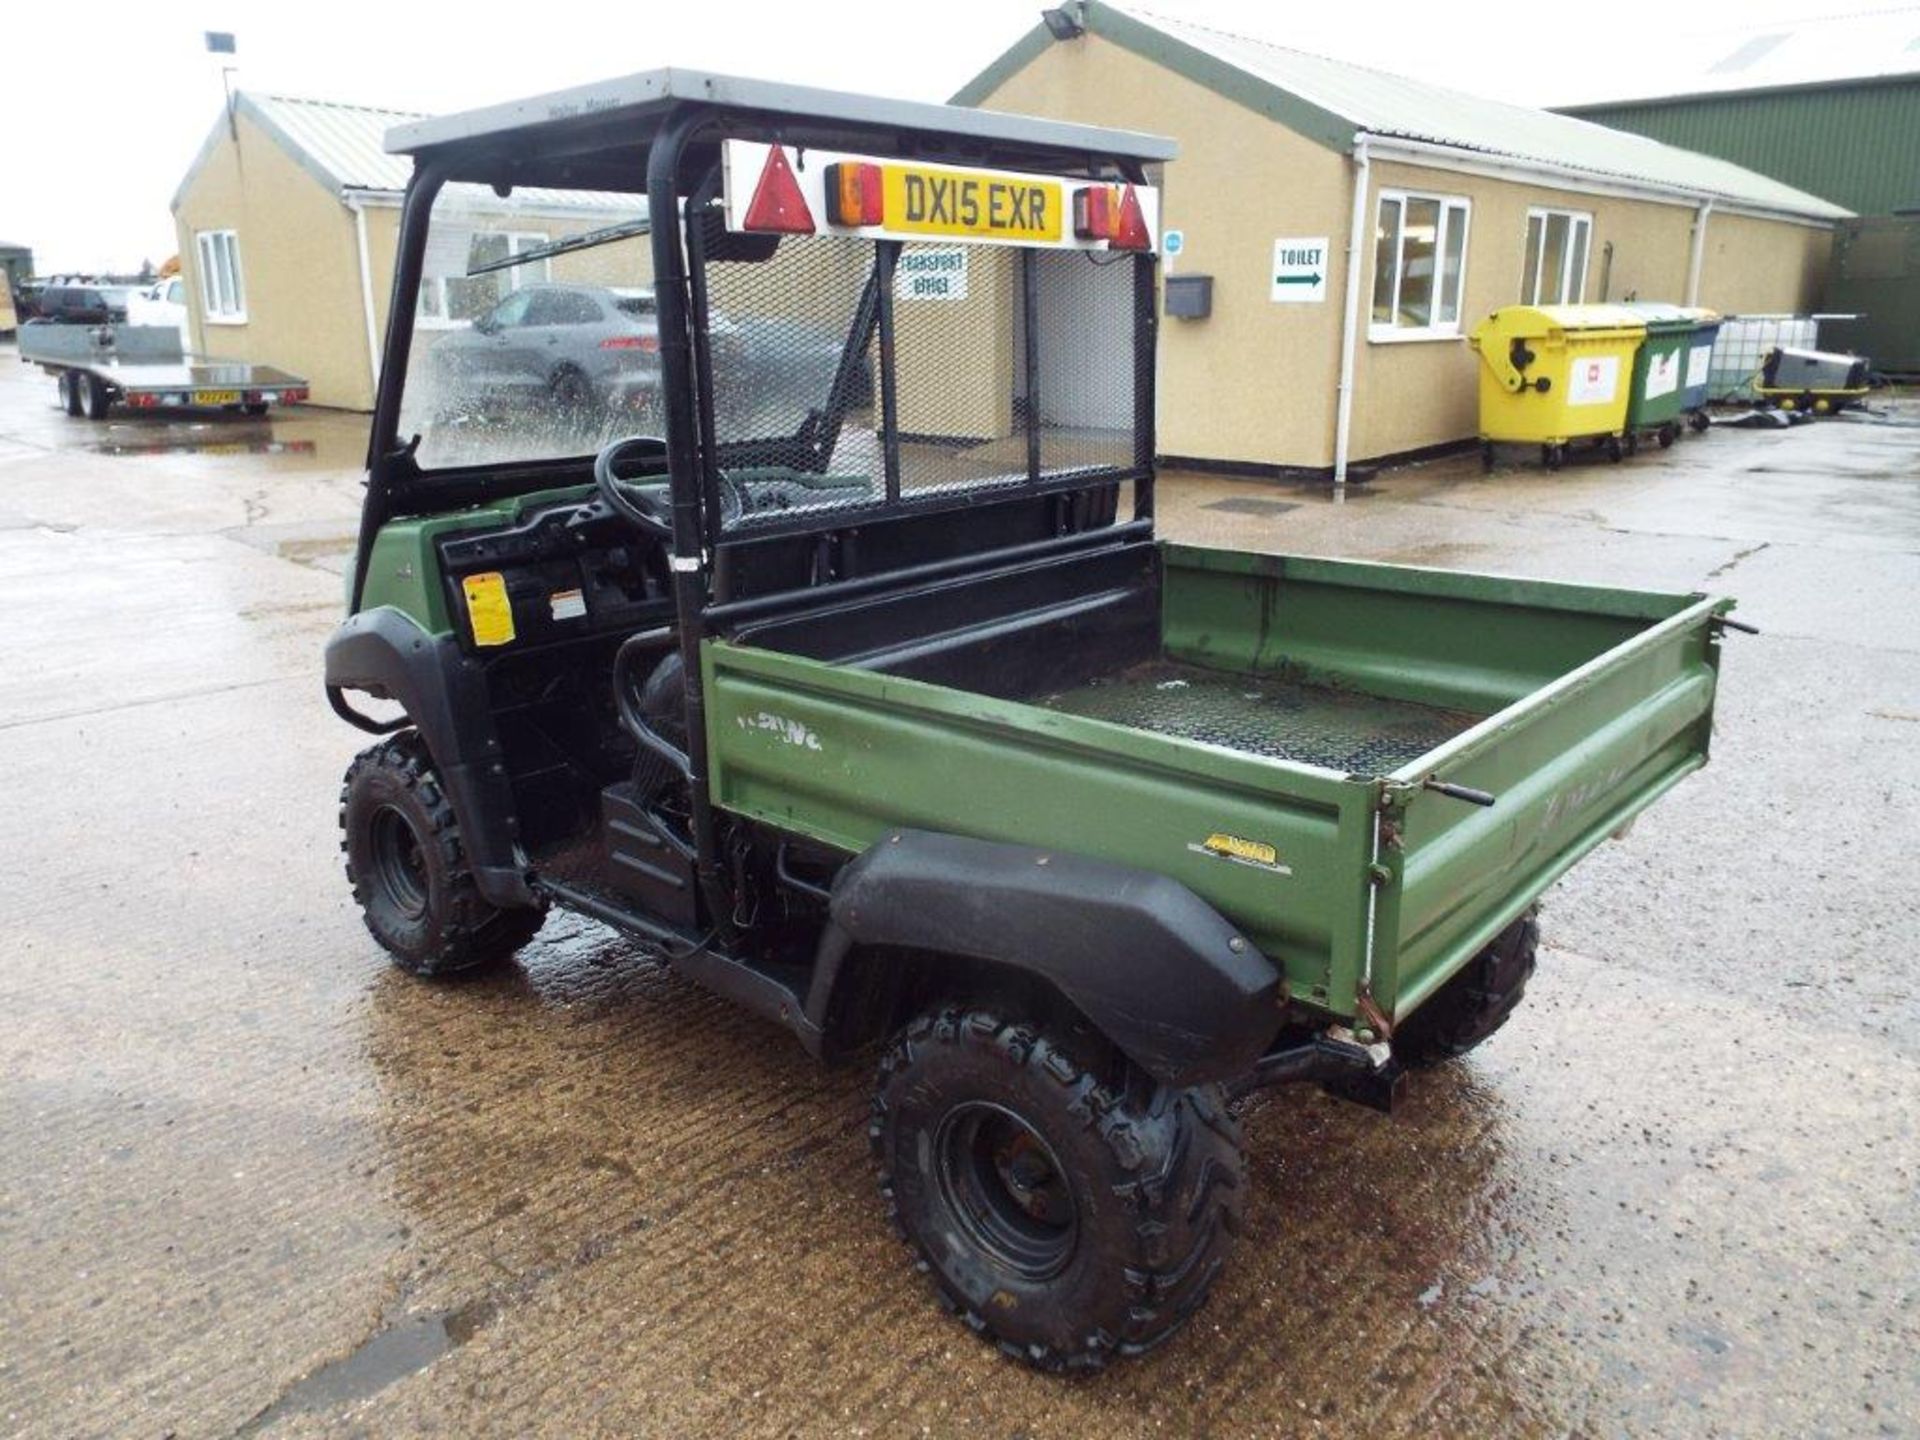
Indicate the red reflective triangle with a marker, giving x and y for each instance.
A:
(1130, 226)
(777, 204)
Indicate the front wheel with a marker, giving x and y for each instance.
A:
(409, 870)
(1067, 1218)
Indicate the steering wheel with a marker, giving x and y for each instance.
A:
(651, 510)
(648, 509)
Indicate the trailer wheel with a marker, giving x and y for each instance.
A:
(1699, 420)
(1486, 456)
(255, 408)
(1475, 1002)
(70, 393)
(409, 871)
(1669, 433)
(94, 396)
(1618, 446)
(1553, 456)
(1067, 1219)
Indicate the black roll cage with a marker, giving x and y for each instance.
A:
(679, 145)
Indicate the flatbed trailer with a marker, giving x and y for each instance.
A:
(144, 368)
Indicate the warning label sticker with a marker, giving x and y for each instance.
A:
(1699, 363)
(1594, 381)
(1663, 375)
(489, 608)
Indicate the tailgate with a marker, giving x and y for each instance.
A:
(1568, 765)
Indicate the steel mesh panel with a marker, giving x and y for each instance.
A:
(956, 313)
(1085, 363)
(970, 411)
(1266, 715)
(777, 329)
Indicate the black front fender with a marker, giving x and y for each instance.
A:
(385, 653)
(1155, 968)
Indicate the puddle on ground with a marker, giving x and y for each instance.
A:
(398, 1349)
(203, 444)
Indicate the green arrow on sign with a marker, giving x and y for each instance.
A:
(1313, 279)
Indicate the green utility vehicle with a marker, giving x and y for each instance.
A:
(827, 651)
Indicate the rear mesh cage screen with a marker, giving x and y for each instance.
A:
(1010, 368)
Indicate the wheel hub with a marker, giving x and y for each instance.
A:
(1006, 1189)
(399, 864)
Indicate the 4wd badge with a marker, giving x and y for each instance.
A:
(1257, 853)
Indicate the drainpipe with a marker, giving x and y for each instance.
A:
(1350, 323)
(366, 289)
(1699, 255)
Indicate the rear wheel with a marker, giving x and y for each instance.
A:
(409, 870)
(70, 392)
(1486, 456)
(94, 396)
(1475, 1002)
(572, 394)
(1066, 1218)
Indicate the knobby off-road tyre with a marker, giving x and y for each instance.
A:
(1474, 1003)
(1065, 1219)
(409, 871)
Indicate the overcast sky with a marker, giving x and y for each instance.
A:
(98, 124)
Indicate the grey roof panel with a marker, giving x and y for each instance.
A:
(650, 91)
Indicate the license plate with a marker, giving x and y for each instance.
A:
(982, 205)
(216, 397)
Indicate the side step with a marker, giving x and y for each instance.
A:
(645, 861)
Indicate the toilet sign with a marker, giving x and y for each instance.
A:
(1299, 271)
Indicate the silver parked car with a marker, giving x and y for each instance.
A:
(577, 348)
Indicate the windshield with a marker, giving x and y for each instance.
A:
(534, 333)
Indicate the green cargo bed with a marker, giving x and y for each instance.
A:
(1258, 727)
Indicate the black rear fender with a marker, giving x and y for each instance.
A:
(1151, 966)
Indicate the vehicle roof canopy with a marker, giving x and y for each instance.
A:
(596, 136)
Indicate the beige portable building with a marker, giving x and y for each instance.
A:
(288, 221)
(1354, 225)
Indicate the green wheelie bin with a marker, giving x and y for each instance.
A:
(1655, 403)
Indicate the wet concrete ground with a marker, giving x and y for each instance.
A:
(252, 1181)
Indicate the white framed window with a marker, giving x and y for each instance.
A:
(457, 299)
(1419, 266)
(223, 285)
(1554, 271)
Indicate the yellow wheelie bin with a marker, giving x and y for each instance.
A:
(1553, 374)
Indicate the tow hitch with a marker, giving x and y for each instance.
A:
(1365, 1074)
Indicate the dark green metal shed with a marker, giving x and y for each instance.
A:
(1854, 142)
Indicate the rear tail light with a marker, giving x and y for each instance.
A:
(292, 397)
(1093, 212)
(854, 195)
(649, 343)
